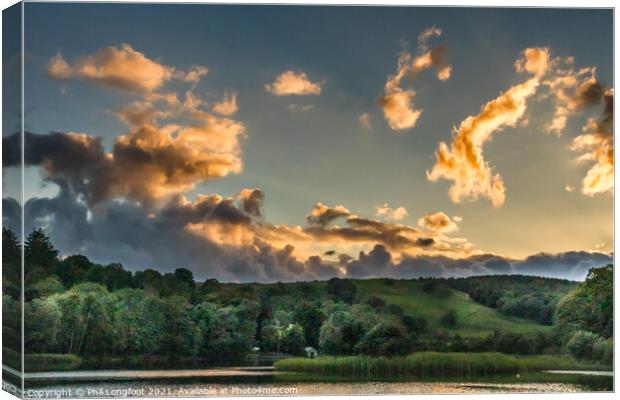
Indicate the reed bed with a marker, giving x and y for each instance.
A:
(428, 364)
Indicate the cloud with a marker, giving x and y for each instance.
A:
(252, 201)
(395, 214)
(365, 120)
(194, 74)
(293, 83)
(216, 237)
(169, 148)
(397, 102)
(438, 222)
(322, 215)
(228, 106)
(119, 67)
(398, 109)
(574, 91)
(597, 146)
(300, 107)
(463, 162)
(148, 164)
(58, 68)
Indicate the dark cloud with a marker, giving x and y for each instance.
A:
(129, 234)
(252, 201)
(570, 265)
(148, 164)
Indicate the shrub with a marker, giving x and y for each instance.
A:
(581, 345)
(395, 309)
(449, 319)
(603, 351)
(375, 302)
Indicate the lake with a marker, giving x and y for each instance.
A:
(263, 381)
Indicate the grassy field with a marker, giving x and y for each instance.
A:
(429, 364)
(475, 320)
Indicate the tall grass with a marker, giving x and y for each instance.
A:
(51, 362)
(428, 364)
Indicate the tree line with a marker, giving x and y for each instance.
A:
(75, 306)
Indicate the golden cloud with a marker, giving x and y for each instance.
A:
(123, 68)
(293, 83)
(322, 215)
(597, 145)
(228, 105)
(463, 162)
(58, 68)
(438, 222)
(387, 212)
(397, 102)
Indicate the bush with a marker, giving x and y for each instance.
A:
(603, 351)
(581, 345)
(375, 302)
(415, 325)
(449, 319)
(395, 309)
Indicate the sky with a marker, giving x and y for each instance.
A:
(286, 142)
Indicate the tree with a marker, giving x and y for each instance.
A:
(227, 332)
(270, 336)
(45, 287)
(11, 263)
(42, 324)
(116, 277)
(384, 339)
(589, 306)
(449, 319)
(181, 336)
(340, 333)
(342, 289)
(414, 325)
(39, 252)
(309, 316)
(73, 269)
(185, 275)
(375, 302)
(293, 341)
(138, 322)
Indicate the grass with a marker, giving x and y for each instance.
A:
(40, 362)
(475, 320)
(51, 362)
(429, 364)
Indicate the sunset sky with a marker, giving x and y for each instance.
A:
(284, 143)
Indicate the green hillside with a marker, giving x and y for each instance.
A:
(474, 319)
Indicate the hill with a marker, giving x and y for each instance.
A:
(426, 298)
(417, 300)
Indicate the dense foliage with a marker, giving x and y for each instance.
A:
(79, 308)
(529, 297)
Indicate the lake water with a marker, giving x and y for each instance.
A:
(162, 389)
(246, 381)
